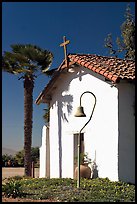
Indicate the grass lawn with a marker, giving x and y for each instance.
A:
(91, 190)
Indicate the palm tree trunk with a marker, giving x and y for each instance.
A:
(28, 110)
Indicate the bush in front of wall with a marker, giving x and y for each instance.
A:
(12, 189)
(65, 190)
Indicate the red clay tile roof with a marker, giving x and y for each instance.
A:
(110, 67)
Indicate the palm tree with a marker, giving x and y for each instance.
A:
(26, 61)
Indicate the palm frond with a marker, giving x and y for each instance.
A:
(26, 58)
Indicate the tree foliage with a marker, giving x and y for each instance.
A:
(18, 158)
(6, 158)
(34, 156)
(46, 115)
(126, 43)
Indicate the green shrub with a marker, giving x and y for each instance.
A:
(65, 189)
(12, 189)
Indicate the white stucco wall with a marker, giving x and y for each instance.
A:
(42, 172)
(101, 134)
(126, 140)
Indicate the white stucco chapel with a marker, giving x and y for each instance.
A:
(109, 137)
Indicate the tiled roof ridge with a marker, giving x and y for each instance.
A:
(111, 68)
(102, 56)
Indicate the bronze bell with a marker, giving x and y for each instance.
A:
(80, 112)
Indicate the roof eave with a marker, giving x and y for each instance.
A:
(48, 89)
(39, 98)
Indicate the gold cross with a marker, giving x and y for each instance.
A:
(64, 45)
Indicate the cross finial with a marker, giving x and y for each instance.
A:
(65, 48)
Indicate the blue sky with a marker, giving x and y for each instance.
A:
(85, 24)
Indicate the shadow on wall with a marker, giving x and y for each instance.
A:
(62, 101)
(66, 101)
(126, 140)
(94, 171)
